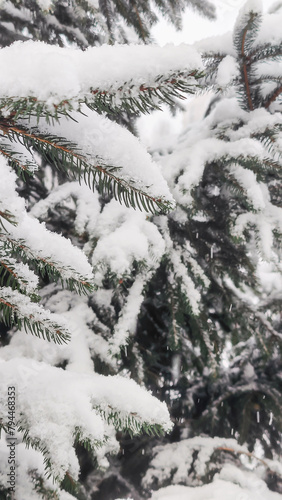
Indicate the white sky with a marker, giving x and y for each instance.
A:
(160, 128)
(196, 27)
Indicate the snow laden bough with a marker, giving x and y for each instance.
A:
(63, 121)
(57, 111)
(233, 158)
(57, 408)
(38, 116)
(187, 466)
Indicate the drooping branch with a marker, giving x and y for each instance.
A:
(66, 156)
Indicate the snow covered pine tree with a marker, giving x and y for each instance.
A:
(60, 119)
(218, 290)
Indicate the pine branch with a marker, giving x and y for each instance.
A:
(37, 444)
(211, 62)
(129, 97)
(247, 454)
(106, 9)
(245, 70)
(130, 13)
(268, 137)
(22, 167)
(17, 309)
(273, 96)
(246, 31)
(8, 216)
(130, 422)
(266, 51)
(204, 7)
(144, 98)
(16, 275)
(45, 266)
(260, 166)
(45, 492)
(66, 156)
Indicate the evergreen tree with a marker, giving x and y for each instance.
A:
(186, 304)
(61, 120)
(215, 300)
(199, 315)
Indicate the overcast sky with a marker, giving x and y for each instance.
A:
(160, 128)
(196, 27)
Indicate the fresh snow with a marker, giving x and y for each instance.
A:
(217, 490)
(34, 466)
(66, 401)
(22, 307)
(173, 462)
(124, 237)
(103, 142)
(9, 199)
(118, 239)
(71, 73)
(46, 245)
(40, 242)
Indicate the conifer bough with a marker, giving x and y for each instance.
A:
(51, 118)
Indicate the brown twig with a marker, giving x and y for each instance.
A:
(245, 72)
(247, 453)
(9, 269)
(273, 97)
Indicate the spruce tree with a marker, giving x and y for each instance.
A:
(209, 329)
(177, 298)
(62, 121)
(202, 329)
(40, 143)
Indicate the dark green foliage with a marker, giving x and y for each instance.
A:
(84, 24)
(45, 328)
(220, 370)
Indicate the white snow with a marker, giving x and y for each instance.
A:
(103, 142)
(26, 278)
(45, 5)
(9, 199)
(124, 236)
(217, 490)
(87, 205)
(71, 73)
(55, 403)
(227, 71)
(51, 247)
(174, 461)
(127, 321)
(20, 305)
(33, 461)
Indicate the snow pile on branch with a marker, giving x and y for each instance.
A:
(59, 406)
(103, 142)
(72, 73)
(44, 244)
(178, 462)
(29, 474)
(218, 490)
